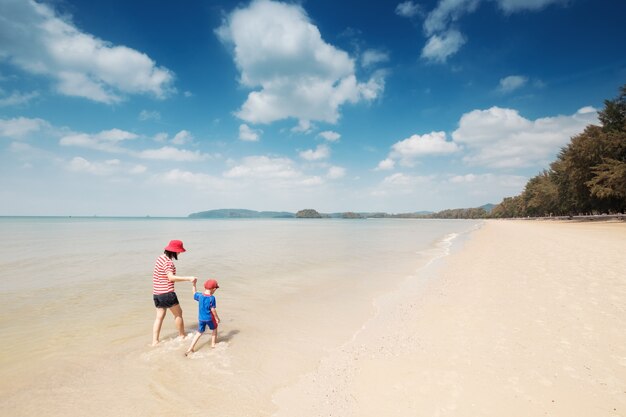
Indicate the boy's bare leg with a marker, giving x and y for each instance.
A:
(213, 338)
(193, 343)
(158, 322)
(177, 311)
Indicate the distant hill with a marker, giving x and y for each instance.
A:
(241, 214)
(478, 212)
(488, 207)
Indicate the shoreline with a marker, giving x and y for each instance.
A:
(527, 318)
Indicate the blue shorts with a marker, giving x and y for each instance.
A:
(202, 325)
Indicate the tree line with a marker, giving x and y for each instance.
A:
(588, 176)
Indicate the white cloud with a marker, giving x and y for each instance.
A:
(246, 133)
(199, 180)
(511, 6)
(149, 115)
(502, 138)
(106, 168)
(512, 83)
(321, 152)
(446, 12)
(444, 41)
(263, 167)
(17, 98)
(512, 181)
(39, 41)
(160, 137)
(263, 172)
(408, 9)
(303, 126)
(172, 154)
(409, 149)
(297, 74)
(330, 136)
(439, 47)
(106, 141)
(20, 127)
(371, 57)
(182, 137)
(336, 172)
(399, 179)
(386, 164)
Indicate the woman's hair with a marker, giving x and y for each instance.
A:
(171, 254)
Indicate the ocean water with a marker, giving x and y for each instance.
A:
(78, 312)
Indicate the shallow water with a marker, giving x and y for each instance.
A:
(78, 310)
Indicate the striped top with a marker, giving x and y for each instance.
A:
(160, 283)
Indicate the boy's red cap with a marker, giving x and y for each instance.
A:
(210, 284)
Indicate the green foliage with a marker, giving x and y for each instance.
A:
(589, 175)
(308, 214)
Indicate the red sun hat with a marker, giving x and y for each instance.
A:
(210, 284)
(175, 246)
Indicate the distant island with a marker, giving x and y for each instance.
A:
(462, 213)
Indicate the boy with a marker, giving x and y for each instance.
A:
(207, 314)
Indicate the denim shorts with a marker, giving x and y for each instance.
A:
(166, 300)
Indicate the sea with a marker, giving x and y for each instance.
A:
(77, 309)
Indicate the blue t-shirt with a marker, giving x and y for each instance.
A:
(205, 304)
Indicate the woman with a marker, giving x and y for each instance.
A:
(163, 280)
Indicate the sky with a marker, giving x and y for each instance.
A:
(162, 108)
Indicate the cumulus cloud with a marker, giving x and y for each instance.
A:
(408, 9)
(372, 57)
(439, 47)
(106, 141)
(16, 98)
(444, 41)
(21, 127)
(408, 150)
(40, 42)
(512, 6)
(246, 133)
(510, 181)
(335, 172)
(282, 55)
(182, 137)
(512, 83)
(199, 180)
(268, 172)
(399, 179)
(149, 115)
(386, 165)
(321, 152)
(330, 136)
(173, 154)
(502, 138)
(107, 168)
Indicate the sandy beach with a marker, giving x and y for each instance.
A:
(528, 318)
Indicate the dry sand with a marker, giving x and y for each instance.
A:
(527, 319)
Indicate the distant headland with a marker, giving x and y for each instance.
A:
(463, 213)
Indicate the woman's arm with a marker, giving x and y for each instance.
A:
(175, 278)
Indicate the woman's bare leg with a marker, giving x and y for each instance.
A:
(158, 322)
(177, 311)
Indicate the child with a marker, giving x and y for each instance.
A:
(207, 314)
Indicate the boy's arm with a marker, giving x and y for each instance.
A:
(217, 318)
(193, 286)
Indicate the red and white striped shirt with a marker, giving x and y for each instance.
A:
(160, 283)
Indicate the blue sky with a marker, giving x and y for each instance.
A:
(164, 109)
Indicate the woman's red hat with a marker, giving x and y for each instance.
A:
(175, 246)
